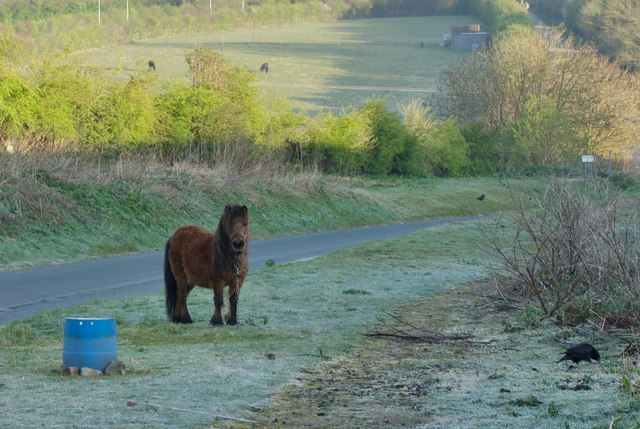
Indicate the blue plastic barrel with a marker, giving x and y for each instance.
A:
(90, 343)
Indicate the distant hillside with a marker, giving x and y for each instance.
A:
(73, 25)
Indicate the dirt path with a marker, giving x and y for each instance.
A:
(503, 375)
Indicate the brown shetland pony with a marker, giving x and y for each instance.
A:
(195, 256)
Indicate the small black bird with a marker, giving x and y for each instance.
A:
(481, 197)
(580, 352)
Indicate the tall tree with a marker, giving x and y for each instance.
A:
(600, 101)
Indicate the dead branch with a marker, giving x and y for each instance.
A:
(416, 334)
(417, 338)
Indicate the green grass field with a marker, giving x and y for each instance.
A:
(292, 318)
(315, 66)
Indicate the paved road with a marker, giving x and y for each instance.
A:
(30, 292)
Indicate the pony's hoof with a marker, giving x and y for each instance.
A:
(233, 321)
(217, 322)
(182, 320)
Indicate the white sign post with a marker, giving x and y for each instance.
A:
(588, 159)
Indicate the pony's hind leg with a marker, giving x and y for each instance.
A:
(181, 312)
(218, 302)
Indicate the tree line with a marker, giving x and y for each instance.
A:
(546, 98)
(530, 99)
(217, 118)
(612, 25)
(38, 25)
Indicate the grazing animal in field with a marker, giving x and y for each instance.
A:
(583, 351)
(152, 65)
(481, 197)
(195, 256)
(264, 68)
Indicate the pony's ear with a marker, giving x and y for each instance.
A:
(228, 210)
(245, 209)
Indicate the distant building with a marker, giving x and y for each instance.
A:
(467, 37)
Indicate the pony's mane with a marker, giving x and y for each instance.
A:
(222, 254)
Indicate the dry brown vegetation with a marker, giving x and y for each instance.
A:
(574, 256)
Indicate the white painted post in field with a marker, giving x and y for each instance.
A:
(98, 11)
(588, 159)
(127, 12)
(210, 8)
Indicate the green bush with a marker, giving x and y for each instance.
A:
(541, 134)
(65, 90)
(282, 127)
(220, 115)
(500, 15)
(18, 105)
(447, 151)
(339, 143)
(175, 118)
(484, 149)
(390, 140)
(122, 116)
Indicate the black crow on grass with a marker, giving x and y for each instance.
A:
(580, 352)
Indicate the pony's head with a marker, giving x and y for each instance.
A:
(235, 226)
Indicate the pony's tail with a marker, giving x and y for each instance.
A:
(170, 285)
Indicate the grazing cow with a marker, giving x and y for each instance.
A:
(264, 68)
(152, 65)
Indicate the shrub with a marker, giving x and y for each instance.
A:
(123, 116)
(500, 15)
(175, 117)
(65, 89)
(573, 255)
(392, 144)
(339, 143)
(219, 116)
(447, 151)
(541, 134)
(484, 149)
(18, 104)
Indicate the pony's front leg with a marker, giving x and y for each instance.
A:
(218, 302)
(232, 315)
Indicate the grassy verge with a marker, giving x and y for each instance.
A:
(61, 212)
(294, 317)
